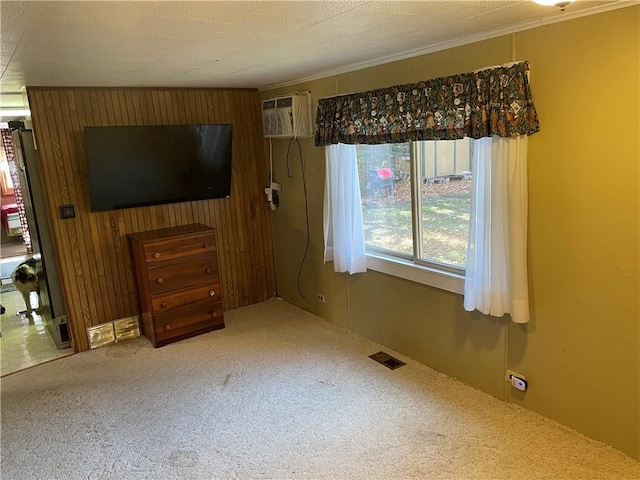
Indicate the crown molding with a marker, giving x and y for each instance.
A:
(561, 17)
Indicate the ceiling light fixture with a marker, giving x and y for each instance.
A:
(562, 3)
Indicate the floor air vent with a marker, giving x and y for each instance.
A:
(387, 360)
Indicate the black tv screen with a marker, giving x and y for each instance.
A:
(135, 166)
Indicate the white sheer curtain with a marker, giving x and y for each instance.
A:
(343, 226)
(496, 274)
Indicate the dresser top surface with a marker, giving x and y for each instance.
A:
(170, 232)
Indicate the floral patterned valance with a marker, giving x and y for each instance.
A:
(494, 101)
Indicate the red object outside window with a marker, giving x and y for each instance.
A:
(384, 173)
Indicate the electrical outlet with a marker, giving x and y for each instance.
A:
(516, 380)
(518, 383)
(320, 297)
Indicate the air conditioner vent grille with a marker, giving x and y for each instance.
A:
(288, 116)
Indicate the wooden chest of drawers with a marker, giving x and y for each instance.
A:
(178, 282)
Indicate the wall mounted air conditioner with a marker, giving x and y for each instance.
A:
(287, 116)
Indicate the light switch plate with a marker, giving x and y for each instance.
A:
(67, 211)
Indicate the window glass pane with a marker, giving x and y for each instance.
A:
(385, 186)
(445, 172)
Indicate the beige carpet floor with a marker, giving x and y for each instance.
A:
(279, 393)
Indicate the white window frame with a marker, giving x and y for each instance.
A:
(408, 270)
(444, 277)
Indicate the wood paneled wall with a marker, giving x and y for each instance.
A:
(92, 249)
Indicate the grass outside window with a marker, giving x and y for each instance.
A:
(442, 218)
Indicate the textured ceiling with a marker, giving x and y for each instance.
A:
(239, 43)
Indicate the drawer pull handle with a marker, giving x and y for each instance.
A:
(214, 314)
(160, 280)
(167, 327)
(211, 293)
(205, 245)
(207, 271)
(156, 255)
(163, 305)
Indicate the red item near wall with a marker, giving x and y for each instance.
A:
(6, 210)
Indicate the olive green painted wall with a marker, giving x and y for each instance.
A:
(581, 348)
(580, 352)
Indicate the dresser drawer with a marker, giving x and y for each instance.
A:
(199, 316)
(172, 277)
(179, 247)
(168, 301)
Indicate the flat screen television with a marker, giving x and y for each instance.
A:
(135, 166)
